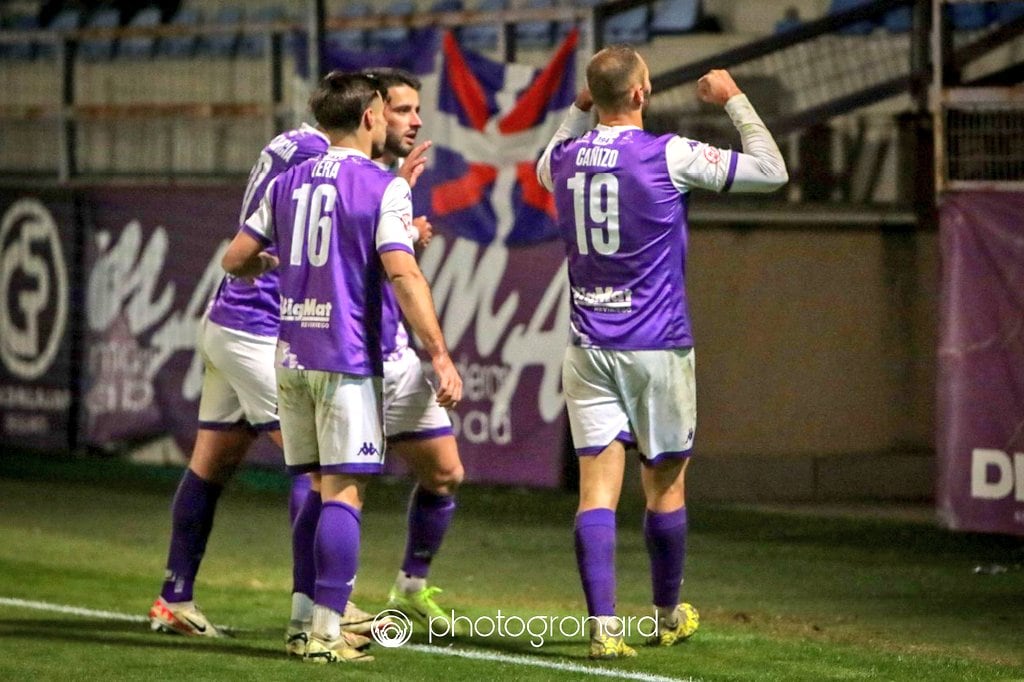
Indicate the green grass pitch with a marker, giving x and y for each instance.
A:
(782, 596)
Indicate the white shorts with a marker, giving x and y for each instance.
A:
(641, 397)
(411, 411)
(331, 422)
(239, 385)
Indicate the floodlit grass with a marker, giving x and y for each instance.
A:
(782, 596)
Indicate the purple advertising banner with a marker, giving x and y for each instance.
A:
(980, 383)
(153, 260)
(37, 275)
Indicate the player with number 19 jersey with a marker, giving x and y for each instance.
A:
(632, 295)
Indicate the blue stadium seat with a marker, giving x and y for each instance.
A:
(182, 46)
(384, 39)
(258, 44)
(446, 6)
(222, 44)
(970, 16)
(97, 49)
(141, 47)
(20, 51)
(630, 27)
(861, 28)
(351, 39)
(672, 17)
(1007, 11)
(535, 33)
(899, 20)
(789, 21)
(482, 36)
(66, 20)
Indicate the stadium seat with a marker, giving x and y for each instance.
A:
(222, 44)
(184, 45)
(1007, 11)
(257, 44)
(384, 39)
(532, 34)
(66, 20)
(789, 21)
(970, 16)
(672, 17)
(141, 47)
(860, 28)
(446, 6)
(898, 20)
(482, 36)
(24, 51)
(351, 39)
(97, 49)
(630, 27)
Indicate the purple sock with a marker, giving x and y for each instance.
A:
(430, 515)
(191, 521)
(595, 556)
(665, 535)
(337, 554)
(300, 490)
(304, 525)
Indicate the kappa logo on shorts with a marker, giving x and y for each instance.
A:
(368, 450)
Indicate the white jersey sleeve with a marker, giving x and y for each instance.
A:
(758, 168)
(576, 123)
(395, 221)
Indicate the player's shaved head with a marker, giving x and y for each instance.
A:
(341, 98)
(611, 74)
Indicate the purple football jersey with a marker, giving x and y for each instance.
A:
(624, 226)
(330, 219)
(255, 308)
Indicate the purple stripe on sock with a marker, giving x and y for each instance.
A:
(665, 537)
(680, 454)
(430, 515)
(192, 510)
(595, 558)
(731, 175)
(337, 554)
(421, 435)
(304, 527)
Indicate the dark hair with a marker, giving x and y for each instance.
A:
(341, 98)
(391, 77)
(610, 74)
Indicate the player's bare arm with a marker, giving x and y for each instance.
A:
(413, 294)
(245, 257)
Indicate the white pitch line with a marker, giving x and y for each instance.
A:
(541, 663)
(436, 651)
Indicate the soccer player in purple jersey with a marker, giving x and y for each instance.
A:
(417, 428)
(621, 195)
(237, 342)
(341, 225)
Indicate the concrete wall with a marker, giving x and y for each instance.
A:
(815, 362)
